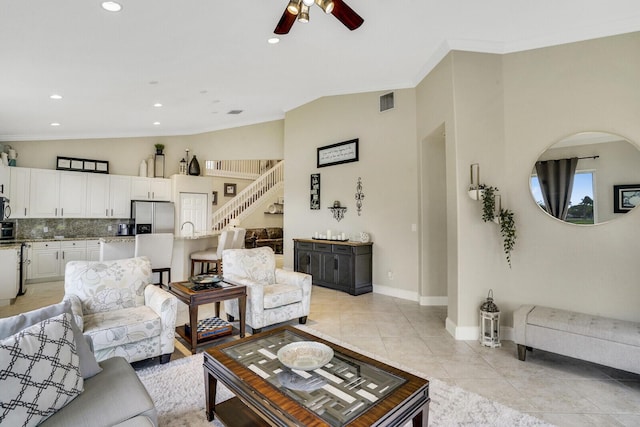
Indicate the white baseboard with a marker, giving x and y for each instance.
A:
(409, 295)
(472, 333)
(434, 300)
(395, 292)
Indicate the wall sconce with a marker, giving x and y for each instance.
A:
(337, 210)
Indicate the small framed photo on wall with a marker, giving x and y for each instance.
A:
(229, 189)
(314, 201)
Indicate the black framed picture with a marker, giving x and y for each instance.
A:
(82, 165)
(335, 154)
(214, 197)
(625, 197)
(229, 189)
(314, 202)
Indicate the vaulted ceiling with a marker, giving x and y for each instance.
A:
(202, 59)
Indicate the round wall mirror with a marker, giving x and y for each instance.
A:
(587, 178)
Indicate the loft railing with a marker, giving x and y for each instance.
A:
(246, 201)
(246, 169)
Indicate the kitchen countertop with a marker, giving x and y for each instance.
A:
(197, 236)
(7, 244)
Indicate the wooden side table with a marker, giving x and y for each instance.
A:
(184, 292)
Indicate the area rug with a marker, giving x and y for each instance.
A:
(177, 389)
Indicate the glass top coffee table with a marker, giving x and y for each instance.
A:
(350, 390)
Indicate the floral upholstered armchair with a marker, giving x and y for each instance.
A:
(273, 295)
(125, 315)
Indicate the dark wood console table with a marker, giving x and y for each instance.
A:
(344, 266)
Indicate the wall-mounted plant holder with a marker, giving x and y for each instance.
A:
(497, 208)
(474, 182)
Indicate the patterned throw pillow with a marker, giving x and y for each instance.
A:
(39, 372)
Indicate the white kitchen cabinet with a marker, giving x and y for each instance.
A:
(5, 180)
(93, 250)
(49, 259)
(73, 185)
(150, 189)
(44, 193)
(10, 277)
(45, 260)
(55, 194)
(19, 193)
(98, 196)
(120, 196)
(108, 196)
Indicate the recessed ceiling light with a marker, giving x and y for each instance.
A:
(273, 40)
(157, 105)
(156, 123)
(55, 96)
(55, 124)
(111, 6)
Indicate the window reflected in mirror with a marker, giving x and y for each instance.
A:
(574, 179)
(582, 204)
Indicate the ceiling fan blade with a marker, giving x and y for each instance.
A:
(285, 23)
(346, 15)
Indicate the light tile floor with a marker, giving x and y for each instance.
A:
(557, 389)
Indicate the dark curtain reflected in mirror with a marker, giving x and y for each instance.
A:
(556, 182)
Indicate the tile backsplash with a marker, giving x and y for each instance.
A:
(34, 228)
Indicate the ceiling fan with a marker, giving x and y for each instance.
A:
(299, 9)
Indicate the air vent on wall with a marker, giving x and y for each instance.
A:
(235, 112)
(386, 102)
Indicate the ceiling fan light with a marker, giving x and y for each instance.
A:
(294, 6)
(308, 3)
(304, 14)
(326, 5)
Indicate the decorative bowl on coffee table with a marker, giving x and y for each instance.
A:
(305, 355)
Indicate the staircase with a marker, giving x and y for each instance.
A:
(246, 202)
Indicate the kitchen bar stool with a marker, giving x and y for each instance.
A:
(238, 238)
(158, 247)
(212, 255)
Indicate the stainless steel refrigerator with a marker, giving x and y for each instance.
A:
(152, 217)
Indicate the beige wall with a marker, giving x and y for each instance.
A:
(387, 166)
(549, 94)
(261, 141)
(506, 111)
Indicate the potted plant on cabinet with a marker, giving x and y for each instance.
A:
(159, 148)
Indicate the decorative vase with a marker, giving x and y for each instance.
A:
(194, 167)
(364, 237)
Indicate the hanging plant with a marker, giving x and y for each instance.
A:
(508, 232)
(488, 203)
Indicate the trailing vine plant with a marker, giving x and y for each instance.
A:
(505, 218)
(508, 232)
(488, 202)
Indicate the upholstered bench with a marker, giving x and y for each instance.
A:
(609, 342)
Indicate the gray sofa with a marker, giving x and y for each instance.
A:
(609, 342)
(50, 376)
(114, 397)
